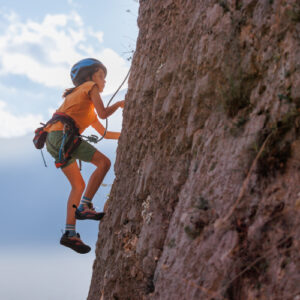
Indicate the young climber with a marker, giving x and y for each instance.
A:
(80, 103)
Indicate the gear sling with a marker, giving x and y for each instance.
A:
(70, 129)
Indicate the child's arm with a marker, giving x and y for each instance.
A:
(103, 112)
(109, 134)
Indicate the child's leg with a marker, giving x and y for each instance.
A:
(70, 238)
(103, 164)
(73, 174)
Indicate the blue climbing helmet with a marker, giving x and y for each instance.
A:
(83, 65)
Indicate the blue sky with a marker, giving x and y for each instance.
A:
(39, 42)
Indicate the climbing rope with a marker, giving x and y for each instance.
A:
(93, 138)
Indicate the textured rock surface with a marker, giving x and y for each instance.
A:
(206, 200)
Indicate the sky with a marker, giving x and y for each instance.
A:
(41, 40)
(39, 43)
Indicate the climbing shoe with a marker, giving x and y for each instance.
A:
(88, 213)
(75, 243)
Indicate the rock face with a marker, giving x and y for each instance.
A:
(206, 200)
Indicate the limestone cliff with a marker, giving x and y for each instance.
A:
(206, 202)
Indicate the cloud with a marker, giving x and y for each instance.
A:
(44, 52)
(14, 126)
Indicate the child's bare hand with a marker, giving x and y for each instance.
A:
(122, 103)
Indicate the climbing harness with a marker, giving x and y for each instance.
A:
(67, 146)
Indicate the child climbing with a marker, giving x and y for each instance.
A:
(76, 114)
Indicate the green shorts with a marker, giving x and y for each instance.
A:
(84, 152)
